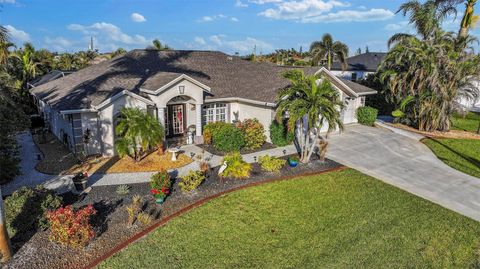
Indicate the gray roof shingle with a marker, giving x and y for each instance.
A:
(362, 62)
(227, 76)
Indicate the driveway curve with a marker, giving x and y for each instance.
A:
(407, 164)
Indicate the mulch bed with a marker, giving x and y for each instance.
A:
(455, 134)
(110, 221)
(213, 150)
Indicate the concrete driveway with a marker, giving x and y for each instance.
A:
(407, 164)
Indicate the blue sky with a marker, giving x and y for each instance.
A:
(226, 25)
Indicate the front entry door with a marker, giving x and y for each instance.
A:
(175, 120)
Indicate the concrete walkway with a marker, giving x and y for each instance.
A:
(30, 176)
(404, 162)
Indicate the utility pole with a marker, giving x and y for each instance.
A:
(5, 248)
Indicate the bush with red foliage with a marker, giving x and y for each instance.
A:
(71, 228)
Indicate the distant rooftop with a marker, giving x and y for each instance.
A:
(363, 62)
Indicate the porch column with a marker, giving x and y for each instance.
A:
(198, 114)
(161, 116)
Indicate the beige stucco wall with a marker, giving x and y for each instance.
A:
(106, 118)
(191, 90)
(265, 115)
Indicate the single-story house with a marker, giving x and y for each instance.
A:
(184, 90)
(359, 66)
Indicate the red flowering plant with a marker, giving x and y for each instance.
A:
(71, 228)
(160, 184)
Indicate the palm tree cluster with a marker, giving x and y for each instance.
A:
(137, 133)
(430, 69)
(326, 51)
(310, 103)
(286, 57)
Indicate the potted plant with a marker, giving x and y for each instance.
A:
(293, 161)
(80, 181)
(160, 186)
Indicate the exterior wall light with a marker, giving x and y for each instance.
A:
(181, 89)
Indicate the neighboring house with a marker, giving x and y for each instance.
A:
(183, 89)
(359, 66)
(50, 76)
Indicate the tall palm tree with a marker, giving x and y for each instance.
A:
(28, 65)
(66, 61)
(468, 20)
(138, 133)
(426, 18)
(310, 102)
(326, 50)
(4, 45)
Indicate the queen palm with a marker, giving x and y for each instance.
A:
(327, 50)
(27, 63)
(310, 102)
(138, 133)
(469, 19)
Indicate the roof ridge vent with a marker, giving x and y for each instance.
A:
(229, 58)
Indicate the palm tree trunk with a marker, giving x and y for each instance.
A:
(329, 64)
(478, 129)
(5, 249)
(467, 19)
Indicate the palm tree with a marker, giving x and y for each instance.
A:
(138, 133)
(4, 45)
(426, 18)
(310, 103)
(119, 51)
(328, 50)
(27, 63)
(468, 20)
(157, 45)
(66, 61)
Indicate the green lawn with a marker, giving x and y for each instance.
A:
(470, 123)
(461, 154)
(341, 219)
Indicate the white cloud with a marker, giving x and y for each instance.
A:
(396, 26)
(262, 2)
(216, 17)
(137, 17)
(8, 2)
(223, 43)
(59, 43)
(352, 16)
(109, 36)
(17, 34)
(296, 10)
(239, 3)
(200, 40)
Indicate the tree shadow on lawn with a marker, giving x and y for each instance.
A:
(475, 162)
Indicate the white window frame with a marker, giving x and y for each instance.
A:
(214, 112)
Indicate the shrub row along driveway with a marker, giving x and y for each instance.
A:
(407, 164)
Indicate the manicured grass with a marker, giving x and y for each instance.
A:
(461, 154)
(469, 123)
(341, 219)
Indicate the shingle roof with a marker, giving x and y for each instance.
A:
(227, 76)
(362, 62)
(50, 76)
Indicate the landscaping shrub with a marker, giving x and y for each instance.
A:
(25, 209)
(191, 181)
(236, 166)
(160, 184)
(71, 228)
(366, 115)
(280, 135)
(134, 209)
(271, 164)
(254, 133)
(211, 128)
(228, 139)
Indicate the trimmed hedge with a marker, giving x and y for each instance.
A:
(367, 115)
(228, 139)
(279, 135)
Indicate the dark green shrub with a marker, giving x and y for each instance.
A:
(25, 209)
(253, 132)
(280, 135)
(211, 128)
(228, 139)
(366, 115)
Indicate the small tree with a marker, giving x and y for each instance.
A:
(138, 133)
(310, 102)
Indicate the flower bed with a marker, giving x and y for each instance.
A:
(110, 222)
